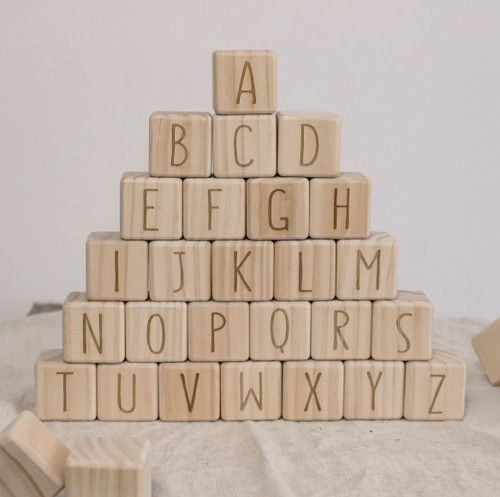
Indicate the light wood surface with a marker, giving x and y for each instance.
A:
(373, 389)
(313, 390)
(242, 270)
(435, 389)
(93, 331)
(367, 269)
(304, 270)
(308, 144)
(250, 390)
(127, 392)
(116, 269)
(156, 331)
(218, 331)
(214, 209)
(340, 207)
(180, 270)
(402, 328)
(150, 208)
(245, 82)
(189, 391)
(277, 208)
(280, 331)
(487, 347)
(180, 144)
(244, 146)
(111, 467)
(32, 459)
(341, 330)
(64, 391)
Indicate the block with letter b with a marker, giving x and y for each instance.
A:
(308, 144)
(435, 389)
(180, 144)
(367, 269)
(340, 207)
(245, 82)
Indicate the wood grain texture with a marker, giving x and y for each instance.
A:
(277, 208)
(250, 390)
(340, 207)
(93, 331)
(150, 208)
(189, 391)
(111, 467)
(313, 390)
(156, 331)
(245, 82)
(244, 146)
(64, 391)
(402, 328)
(373, 389)
(280, 331)
(127, 392)
(435, 389)
(180, 144)
(242, 270)
(308, 144)
(32, 459)
(180, 270)
(218, 331)
(487, 347)
(116, 269)
(341, 330)
(214, 209)
(304, 270)
(367, 269)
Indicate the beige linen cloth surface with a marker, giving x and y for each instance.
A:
(282, 458)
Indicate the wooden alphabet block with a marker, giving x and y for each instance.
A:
(313, 390)
(218, 331)
(214, 209)
(367, 269)
(150, 208)
(32, 459)
(280, 331)
(340, 207)
(435, 389)
(245, 82)
(277, 208)
(304, 270)
(109, 467)
(64, 391)
(341, 330)
(93, 331)
(373, 389)
(250, 390)
(190, 391)
(116, 269)
(308, 144)
(127, 392)
(156, 331)
(180, 144)
(487, 347)
(402, 328)
(242, 270)
(244, 146)
(180, 270)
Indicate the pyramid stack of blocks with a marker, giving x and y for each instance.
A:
(245, 282)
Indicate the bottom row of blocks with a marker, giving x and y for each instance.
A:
(296, 390)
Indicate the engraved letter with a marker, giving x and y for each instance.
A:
(337, 206)
(337, 327)
(214, 328)
(240, 164)
(181, 271)
(134, 385)
(301, 272)
(211, 207)
(247, 67)
(86, 323)
(117, 281)
(148, 332)
(285, 224)
(65, 391)
(147, 207)
(302, 142)
(287, 329)
(244, 402)
(374, 386)
(176, 142)
(313, 393)
(361, 258)
(237, 270)
(190, 402)
(438, 389)
(402, 333)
